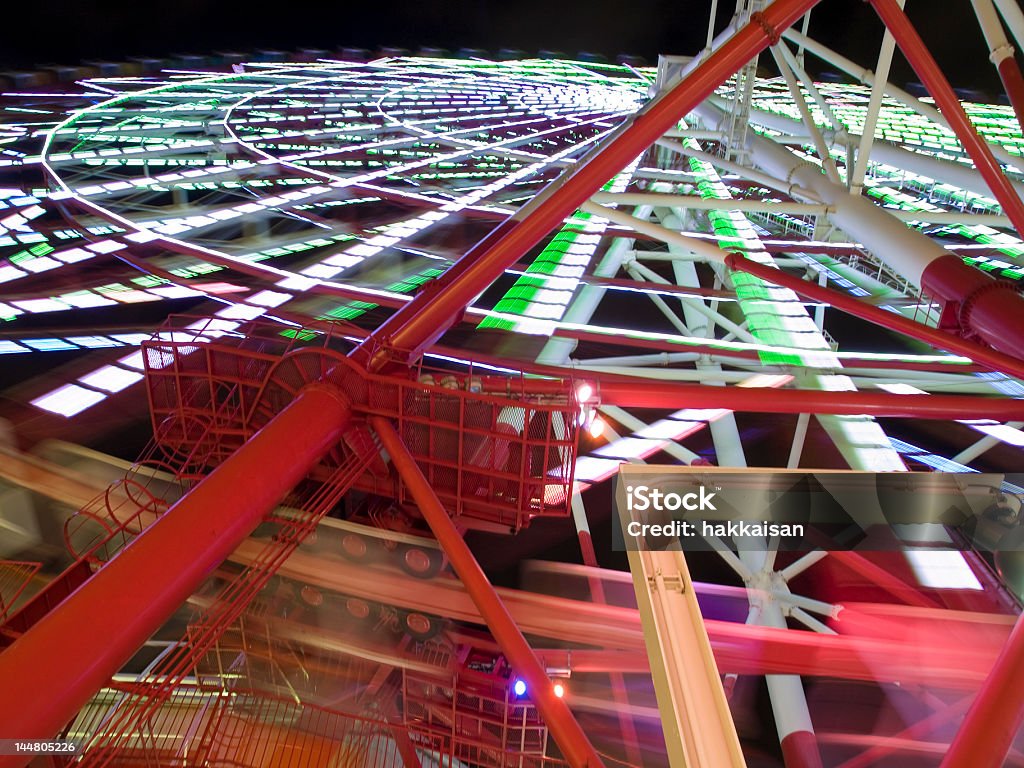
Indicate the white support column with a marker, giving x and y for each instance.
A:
(950, 172)
(995, 37)
(799, 436)
(789, 704)
(584, 304)
(805, 26)
(724, 431)
(810, 622)
(867, 137)
(797, 66)
(632, 423)
(741, 170)
(662, 359)
(868, 78)
(711, 26)
(689, 328)
(1014, 18)
(689, 244)
(696, 202)
(907, 251)
(812, 128)
(797, 567)
(971, 452)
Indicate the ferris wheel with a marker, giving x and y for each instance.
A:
(693, 246)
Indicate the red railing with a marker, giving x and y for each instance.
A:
(15, 575)
(229, 728)
(496, 449)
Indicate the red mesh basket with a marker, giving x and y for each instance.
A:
(498, 450)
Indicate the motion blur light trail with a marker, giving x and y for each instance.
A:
(302, 194)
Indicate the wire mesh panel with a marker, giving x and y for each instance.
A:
(489, 447)
(15, 575)
(496, 449)
(251, 729)
(201, 393)
(108, 523)
(488, 723)
(115, 737)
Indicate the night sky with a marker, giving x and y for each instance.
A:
(65, 31)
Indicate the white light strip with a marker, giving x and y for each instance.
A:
(942, 569)
(1002, 432)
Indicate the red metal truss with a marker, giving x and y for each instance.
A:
(938, 86)
(249, 423)
(138, 590)
(407, 333)
(996, 714)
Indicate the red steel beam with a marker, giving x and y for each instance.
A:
(883, 578)
(672, 395)
(52, 670)
(996, 714)
(425, 319)
(994, 359)
(887, 745)
(1013, 83)
(568, 734)
(938, 86)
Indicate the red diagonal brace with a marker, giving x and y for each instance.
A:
(671, 395)
(996, 714)
(52, 670)
(566, 731)
(427, 317)
(958, 273)
(938, 86)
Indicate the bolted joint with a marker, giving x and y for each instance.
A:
(1000, 54)
(968, 309)
(769, 30)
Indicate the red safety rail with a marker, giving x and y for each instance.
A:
(44, 601)
(229, 594)
(476, 704)
(203, 384)
(15, 575)
(266, 652)
(220, 729)
(93, 535)
(498, 450)
(105, 525)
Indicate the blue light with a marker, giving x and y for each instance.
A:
(519, 688)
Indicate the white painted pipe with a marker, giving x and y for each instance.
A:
(1013, 17)
(905, 250)
(867, 77)
(957, 174)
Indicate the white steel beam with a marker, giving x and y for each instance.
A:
(881, 77)
(973, 451)
(796, 64)
(724, 432)
(868, 78)
(639, 270)
(1014, 18)
(805, 113)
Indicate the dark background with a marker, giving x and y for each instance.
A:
(39, 32)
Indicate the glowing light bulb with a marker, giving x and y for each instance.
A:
(596, 428)
(584, 392)
(559, 690)
(519, 687)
